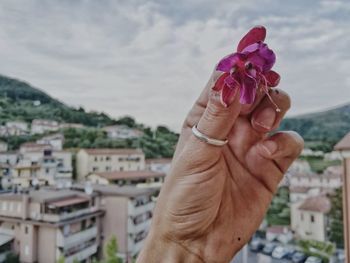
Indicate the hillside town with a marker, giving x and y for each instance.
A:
(79, 199)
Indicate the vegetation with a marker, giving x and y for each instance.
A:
(323, 250)
(336, 234)
(11, 258)
(321, 130)
(319, 164)
(279, 210)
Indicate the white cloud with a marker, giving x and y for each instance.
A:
(150, 59)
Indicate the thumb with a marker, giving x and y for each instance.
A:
(217, 120)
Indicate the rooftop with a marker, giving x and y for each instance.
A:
(320, 204)
(127, 191)
(129, 175)
(45, 195)
(343, 144)
(112, 151)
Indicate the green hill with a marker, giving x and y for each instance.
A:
(321, 130)
(18, 101)
(21, 101)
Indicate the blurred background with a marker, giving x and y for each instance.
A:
(92, 98)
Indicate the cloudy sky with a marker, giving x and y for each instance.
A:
(150, 59)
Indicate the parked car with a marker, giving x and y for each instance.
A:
(256, 245)
(280, 252)
(268, 249)
(299, 257)
(313, 260)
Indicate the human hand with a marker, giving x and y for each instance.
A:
(215, 198)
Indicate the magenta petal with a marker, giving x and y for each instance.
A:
(248, 90)
(230, 81)
(227, 95)
(256, 34)
(261, 56)
(228, 62)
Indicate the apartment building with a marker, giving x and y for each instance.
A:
(331, 178)
(3, 146)
(122, 132)
(139, 178)
(47, 224)
(42, 126)
(36, 164)
(55, 140)
(309, 217)
(128, 214)
(108, 160)
(161, 165)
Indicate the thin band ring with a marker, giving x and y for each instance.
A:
(206, 139)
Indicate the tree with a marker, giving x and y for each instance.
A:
(336, 219)
(11, 258)
(61, 259)
(111, 251)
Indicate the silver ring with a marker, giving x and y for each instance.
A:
(206, 139)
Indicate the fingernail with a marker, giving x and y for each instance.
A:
(266, 118)
(270, 147)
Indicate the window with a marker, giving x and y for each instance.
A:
(108, 158)
(302, 217)
(96, 159)
(312, 218)
(47, 170)
(121, 169)
(101, 158)
(26, 230)
(108, 168)
(94, 169)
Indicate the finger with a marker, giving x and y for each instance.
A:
(283, 148)
(265, 117)
(269, 160)
(201, 103)
(249, 108)
(218, 119)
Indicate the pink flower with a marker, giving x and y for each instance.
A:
(248, 69)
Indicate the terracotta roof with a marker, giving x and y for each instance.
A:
(343, 144)
(112, 151)
(319, 203)
(130, 175)
(159, 160)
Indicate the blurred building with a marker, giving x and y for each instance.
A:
(331, 178)
(161, 165)
(3, 146)
(108, 160)
(309, 217)
(42, 126)
(139, 178)
(343, 147)
(55, 140)
(47, 224)
(122, 132)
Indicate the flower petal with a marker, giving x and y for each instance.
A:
(248, 90)
(261, 56)
(219, 84)
(256, 34)
(272, 78)
(227, 95)
(228, 62)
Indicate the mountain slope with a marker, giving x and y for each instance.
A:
(19, 100)
(327, 126)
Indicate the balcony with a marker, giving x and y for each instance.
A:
(141, 209)
(64, 216)
(144, 226)
(82, 254)
(76, 238)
